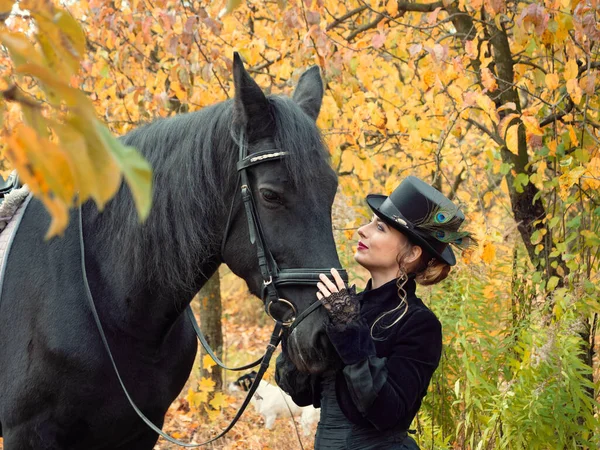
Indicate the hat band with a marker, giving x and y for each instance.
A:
(389, 209)
(391, 212)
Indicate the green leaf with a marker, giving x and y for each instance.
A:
(536, 237)
(575, 222)
(566, 162)
(591, 238)
(230, 5)
(135, 168)
(520, 180)
(505, 168)
(582, 155)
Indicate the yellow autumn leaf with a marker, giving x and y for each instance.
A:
(551, 81)
(574, 91)
(208, 363)
(429, 78)
(213, 414)
(490, 291)
(45, 167)
(392, 7)
(506, 121)
(512, 139)
(6, 6)
(571, 69)
(206, 385)
(488, 80)
(219, 401)
(573, 136)
(197, 398)
(552, 146)
(73, 143)
(57, 88)
(105, 168)
(489, 252)
(487, 105)
(532, 125)
(21, 49)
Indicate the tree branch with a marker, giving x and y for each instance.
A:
(403, 7)
(366, 27)
(497, 139)
(559, 115)
(346, 16)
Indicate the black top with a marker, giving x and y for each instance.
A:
(382, 382)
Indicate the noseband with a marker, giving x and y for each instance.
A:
(273, 277)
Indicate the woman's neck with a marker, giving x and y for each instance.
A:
(378, 279)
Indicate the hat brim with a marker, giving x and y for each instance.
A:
(375, 201)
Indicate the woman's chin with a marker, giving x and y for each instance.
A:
(360, 259)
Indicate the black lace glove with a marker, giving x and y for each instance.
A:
(342, 306)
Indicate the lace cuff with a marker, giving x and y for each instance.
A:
(343, 306)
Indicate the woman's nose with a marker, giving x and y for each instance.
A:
(361, 231)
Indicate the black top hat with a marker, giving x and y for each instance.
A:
(425, 216)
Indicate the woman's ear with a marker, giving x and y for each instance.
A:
(414, 254)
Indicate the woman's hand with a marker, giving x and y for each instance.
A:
(326, 287)
(342, 304)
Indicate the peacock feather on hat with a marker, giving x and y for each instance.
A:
(442, 223)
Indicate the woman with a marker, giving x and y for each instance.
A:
(388, 341)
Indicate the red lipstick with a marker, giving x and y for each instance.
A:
(362, 246)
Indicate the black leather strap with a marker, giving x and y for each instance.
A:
(312, 308)
(210, 351)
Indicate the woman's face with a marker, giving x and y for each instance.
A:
(378, 248)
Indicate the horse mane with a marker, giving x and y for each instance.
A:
(194, 159)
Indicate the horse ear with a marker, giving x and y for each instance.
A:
(251, 107)
(309, 92)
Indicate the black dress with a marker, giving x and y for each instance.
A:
(371, 402)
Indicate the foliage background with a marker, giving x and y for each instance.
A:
(493, 102)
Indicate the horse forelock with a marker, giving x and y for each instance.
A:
(297, 133)
(194, 157)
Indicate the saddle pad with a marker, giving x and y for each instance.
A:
(7, 236)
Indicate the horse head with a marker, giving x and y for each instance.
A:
(292, 187)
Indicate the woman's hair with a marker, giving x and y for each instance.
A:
(428, 270)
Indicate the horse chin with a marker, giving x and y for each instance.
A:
(313, 367)
(313, 359)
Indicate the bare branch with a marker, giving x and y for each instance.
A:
(497, 139)
(403, 7)
(366, 27)
(559, 115)
(346, 16)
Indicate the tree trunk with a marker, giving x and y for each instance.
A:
(209, 310)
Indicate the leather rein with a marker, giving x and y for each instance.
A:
(272, 276)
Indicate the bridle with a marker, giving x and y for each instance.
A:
(273, 277)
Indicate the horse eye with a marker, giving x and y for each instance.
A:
(271, 196)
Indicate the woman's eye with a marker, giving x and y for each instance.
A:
(271, 196)
(380, 227)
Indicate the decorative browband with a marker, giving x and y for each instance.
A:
(259, 157)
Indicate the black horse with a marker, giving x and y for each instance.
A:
(57, 387)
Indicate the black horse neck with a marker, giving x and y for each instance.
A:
(134, 302)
